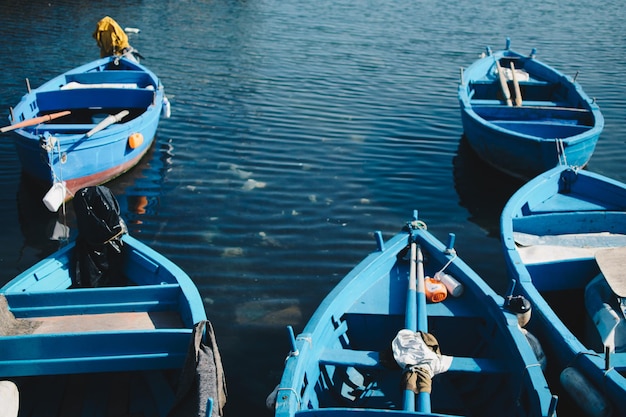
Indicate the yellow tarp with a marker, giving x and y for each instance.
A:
(110, 37)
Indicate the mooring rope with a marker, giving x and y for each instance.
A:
(560, 152)
(448, 263)
(52, 149)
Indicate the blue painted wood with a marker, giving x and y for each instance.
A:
(142, 94)
(521, 140)
(338, 412)
(343, 366)
(87, 301)
(138, 76)
(412, 312)
(369, 359)
(84, 98)
(423, 398)
(565, 201)
(157, 288)
(106, 351)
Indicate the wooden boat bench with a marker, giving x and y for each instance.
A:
(526, 104)
(531, 90)
(371, 359)
(140, 78)
(95, 330)
(561, 245)
(531, 82)
(103, 98)
(115, 308)
(534, 112)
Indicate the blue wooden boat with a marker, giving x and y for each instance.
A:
(88, 125)
(342, 363)
(523, 117)
(563, 235)
(116, 350)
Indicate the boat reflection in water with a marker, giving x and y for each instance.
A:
(482, 189)
(42, 230)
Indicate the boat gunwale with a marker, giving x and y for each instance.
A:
(572, 351)
(311, 342)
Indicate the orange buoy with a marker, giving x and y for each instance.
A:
(135, 140)
(435, 290)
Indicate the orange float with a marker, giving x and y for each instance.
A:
(135, 140)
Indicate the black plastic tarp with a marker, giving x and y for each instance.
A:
(99, 243)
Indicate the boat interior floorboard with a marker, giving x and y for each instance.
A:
(108, 322)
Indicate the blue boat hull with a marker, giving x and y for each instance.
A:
(108, 350)
(160, 292)
(555, 122)
(338, 365)
(60, 150)
(551, 229)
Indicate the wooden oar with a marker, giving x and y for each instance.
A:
(35, 121)
(518, 92)
(108, 121)
(503, 85)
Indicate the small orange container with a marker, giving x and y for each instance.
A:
(435, 290)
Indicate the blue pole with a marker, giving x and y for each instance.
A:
(423, 398)
(416, 319)
(410, 317)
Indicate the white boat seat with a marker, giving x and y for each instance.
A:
(603, 308)
(535, 249)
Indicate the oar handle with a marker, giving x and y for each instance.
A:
(503, 84)
(108, 121)
(518, 91)
(35, 121)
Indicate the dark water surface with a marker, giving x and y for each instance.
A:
(298, 129)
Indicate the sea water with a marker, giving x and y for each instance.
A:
(297, 130)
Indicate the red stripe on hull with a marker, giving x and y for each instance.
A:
(98, 178)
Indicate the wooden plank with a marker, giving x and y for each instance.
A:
(94, 300)
(503, 84)
(541, 104)
(109, 322)
(611, 262)
(83, 98)
(534, 249)
(115, 77)
(518, 92)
